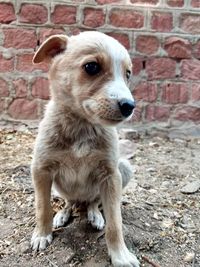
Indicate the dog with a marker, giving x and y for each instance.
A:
(76, 148)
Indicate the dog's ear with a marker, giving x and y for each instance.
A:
(50, 48)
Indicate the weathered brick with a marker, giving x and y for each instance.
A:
(190, 69)
(195, 92)
(46, 32)
(188, 113)
(64, 14)
(23, 109)
(126, 18)
(93, 17)
(175, 3)
(40, 88)
(6, 65)
(121, 37)
(190, 22)
(24, 63)
(162, 21)
(147, 44)
(177, 47)
(196, 50)
(33, 13)
(151, 2)
(20, 86)
(146, 91)
(7, 13)
(195, 3)
(4, 88)
(2, 105)
(160, 68)
(138, 65)
(19, 38)
(157, 113)
(174, 93)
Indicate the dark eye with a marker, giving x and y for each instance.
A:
(92, 68)
(128, 74)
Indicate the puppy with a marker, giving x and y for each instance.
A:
(76, 149)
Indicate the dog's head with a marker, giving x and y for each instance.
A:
(89, 73)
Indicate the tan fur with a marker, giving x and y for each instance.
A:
(76, 149)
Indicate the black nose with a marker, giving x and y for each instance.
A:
(126, 107)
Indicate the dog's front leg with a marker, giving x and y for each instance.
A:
(42, 235)
(111, 196)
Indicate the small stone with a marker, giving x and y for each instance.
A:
(167, 223)
(189, 257)
(24, 247)
(191, 187)
(128, 134)
(127, 148)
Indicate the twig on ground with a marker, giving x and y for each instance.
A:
(194, 259)
(145, 258)
(53, 264)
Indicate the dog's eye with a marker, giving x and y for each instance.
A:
(128, 74)
(92, 68)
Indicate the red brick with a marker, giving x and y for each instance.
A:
(151, 2)
(137, 115)
(138, 65)
(126, 18)
(7, 13)
(147, 44)
(64, 14)
(6, 65)
(190, 69)
(40, 88)
(145, 91)
(195, 3)
(122, 38)
(4, 88)
(195, 92)
(196, 50)
(23, 109)
(46, 32)
(35, 14)
(190, 22)
(103, 2)
(93, 17)
(20, 86)
(174, 93)
(19, 38)
(175, 3)
(188, 113)
(24, 63)
(160, 68)
(157, 113)
(177, 47)
(162, 22)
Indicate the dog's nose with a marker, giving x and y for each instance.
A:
(126, 107)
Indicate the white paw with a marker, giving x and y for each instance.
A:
(60, 218)
(39, 242)
(123, 258)
(96, 219)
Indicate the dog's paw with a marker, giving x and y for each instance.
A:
(61, 218)
(124, 258)
(40, 242)
(96, 219)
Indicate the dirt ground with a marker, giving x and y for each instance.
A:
(161, 224)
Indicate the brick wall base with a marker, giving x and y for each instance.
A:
(162, 37)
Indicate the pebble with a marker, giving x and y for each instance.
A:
(189, 257)
(127, 148)
(191, 187)
(128, 134)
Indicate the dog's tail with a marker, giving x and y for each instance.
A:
(126, 171)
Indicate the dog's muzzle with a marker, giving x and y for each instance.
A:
(126, 107)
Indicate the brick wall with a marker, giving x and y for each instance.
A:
(162, 36)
